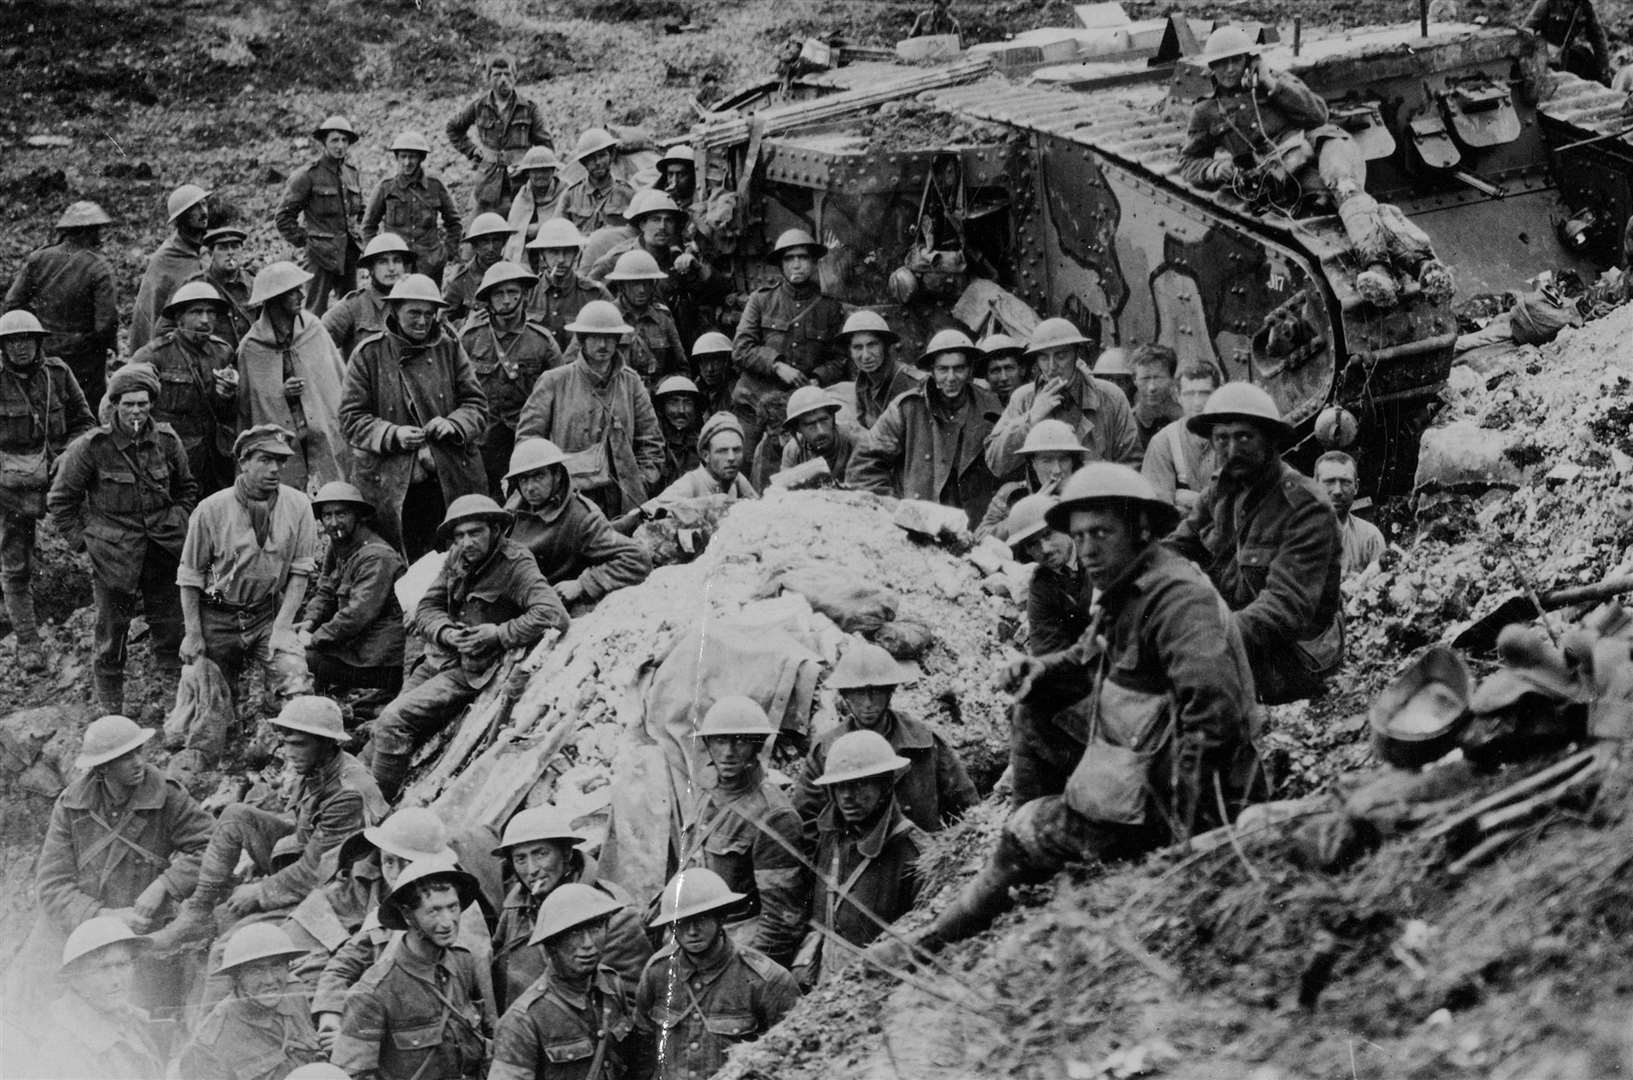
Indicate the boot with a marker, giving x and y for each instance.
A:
(972, 911)
(1435, 279)
(25, 625)
(110, 693)
(390, 770)
(194, 922)
(1377, 286)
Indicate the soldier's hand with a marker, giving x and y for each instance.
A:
(410, 438)
(1018, 676)
(1048, 400)
(226, 381)
(478, 640)
(685, 264)
(132, 918)
(147, 905)
(245, 900)
(328, 1028)
(294, 386)
(790, 375)
(440, 427)
(571, 592)
(192, 647)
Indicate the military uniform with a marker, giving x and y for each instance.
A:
(664, 354)
(243, 1040)
(508, 363)
(71, 290)
(409, 1018)
(360, 314)
(698, 1014)
(559, 1033)
(915, 451)
(75, 1040)
(235, 290)
(176, 260)
(838, 456)
(934, 789)
(355, 620)
(518, 965)
(573, 541)
(1099, 415)
(590, 209)
(409, 209)
(786, 325)
(507, 130)
(460, 292)
(330, 194)
(867, 867)
(186, 363)
(680, 454)
(554, 308)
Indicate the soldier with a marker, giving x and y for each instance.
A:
(41, 411)
(576, 1018)
(677, 175)
(290, 375)
(656, 347)
(412, 394)
(927, 445)
(745, 830)
(1266, 535)
(1061, 389)
(712, 371)
(578, 551)
(1156, 370)
(262, 1030)
(785, 336)
(507, 126)
(124, 492)
(387, 260)
(538, 201)
(703, 992)
(1179, 463)
(409, 204)
(70, 288)
(813, 432)
(175, 261)
(689, 284)
(866, 853)
(222, 253)
(329, 193)
(488, 598)
(1003, 365)
(553, 253)
(598, 199)
(352, 625)
(678, 403)
(1361, 542)
(595, 408)
(880, 377)
(545, 857)
(486, 236)
(1112, 366)
(1576, 39)
(1052, 453)
(93, 1031)
(198, 382)
(719, 472)
(509, 353)
(334, 798)
(419, 1011)
(1056, 596)
(1164, 719)
(933, 789)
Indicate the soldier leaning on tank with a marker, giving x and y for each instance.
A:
(362, 312)
(176, 260)
(124, 492)
(486, 236)
(785, 337)
(1266, 535)
(1136, 731)
(261, 1030)
(1267, 126)
(198, 381)
(70, 288)
(1057, 594)
(507, 126)
(1576, 39)
(328, 194)
(409, 204)
(352, 625)
(1178, 462)
(554, 254)
(41, 411)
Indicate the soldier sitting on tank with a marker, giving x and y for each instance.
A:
(1266, 128)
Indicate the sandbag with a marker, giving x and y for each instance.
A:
(905, 639)
(203, 714)
(1537, 317)
(854, 604)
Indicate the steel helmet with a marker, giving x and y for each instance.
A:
(694, 891)
(599, 317)
(83, 215)
(1052, 334)
(866, 664)
(1052, 437)
(1027, 518)
(532, 454)
(793, 239)
(319, 1070)
(257, 941)
(436, 868)
(734, 714)
(194, 292)
(412, 833)
(314, 715)
(340, 493)
(409, 142)
(593, 141)
(711, 344)
(557, 233)
(946, 341)
(20, 323)
(1103, 480)
(94, 935)
(335, 122)
(538, 157)
(536, 824)
(857, 755)
(679, 154)
(903, 284)
(1114, 361)
(806, 400)
(184, 199)
(109, 737)
(676, 384)
(385, 243)
(651, 201)
(1240, 401)
(1228, 41)
(998, 344)
(501, 272)
(570, 905)
(487, 224)
(866, 322)
(471, 508)
(416, 287)
(275, 279)
(636, 265)
(286, 851)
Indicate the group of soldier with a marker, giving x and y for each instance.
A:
(528, 413)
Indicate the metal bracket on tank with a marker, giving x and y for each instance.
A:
(1481, 112)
